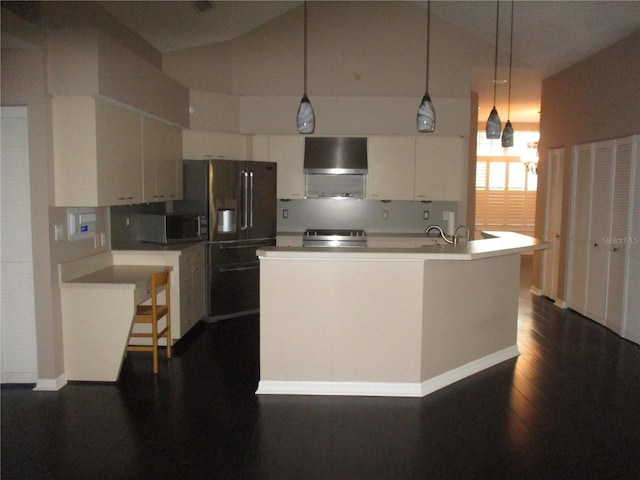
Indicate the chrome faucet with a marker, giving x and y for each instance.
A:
(451, 239)
(455, 232)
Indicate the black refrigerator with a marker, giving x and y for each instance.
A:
(237, 203)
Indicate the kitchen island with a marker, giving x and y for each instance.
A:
(387, 321)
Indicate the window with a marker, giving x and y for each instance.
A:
(505, 194)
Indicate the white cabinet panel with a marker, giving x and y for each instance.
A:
(161, 157)
(288, 152)
(439, 168)
(200, 145)
(391, 161)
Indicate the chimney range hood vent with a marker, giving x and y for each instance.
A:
(335, 156)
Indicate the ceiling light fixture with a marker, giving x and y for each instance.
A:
(507, 133)
(426, 112)
(306, 118)
(494, 126)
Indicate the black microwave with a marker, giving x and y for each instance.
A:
(170, 228)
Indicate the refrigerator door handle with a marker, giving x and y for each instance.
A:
(243, 268)
(245, 200)
(250, 199)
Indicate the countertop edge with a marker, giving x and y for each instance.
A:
(501, 243)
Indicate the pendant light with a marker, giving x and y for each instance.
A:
(426, 113)
(494, 126)
(507, 133)
(306, 118)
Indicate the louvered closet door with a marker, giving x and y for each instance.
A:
(600, 232)
(553, 224)
(617, 244)
(581, 208)
(631, 328)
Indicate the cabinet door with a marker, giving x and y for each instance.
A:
(119, 155)
(288, 152)
(439, 168)
(198, 284)
(391, 167)
(161, 152)
(97, 153)
(199, 145)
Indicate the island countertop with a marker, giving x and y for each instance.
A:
(498, 243)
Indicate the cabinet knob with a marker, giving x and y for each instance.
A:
(595, 244)
(615, 249)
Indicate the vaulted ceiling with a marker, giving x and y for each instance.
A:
(548, 35)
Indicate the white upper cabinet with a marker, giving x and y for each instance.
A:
(103, 158)
(391, 161)
(161, 160)
(199, 145)
(97, 153)
(439, 168)
(288, 152)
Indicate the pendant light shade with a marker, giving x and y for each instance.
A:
(507, 134)
(426, 115)
(306, 118)
(426, 119)
(494, 126)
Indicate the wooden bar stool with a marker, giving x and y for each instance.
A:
(152, 314)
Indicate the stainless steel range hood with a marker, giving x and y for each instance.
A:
(335, 156)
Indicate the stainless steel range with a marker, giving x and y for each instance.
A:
(334, 238)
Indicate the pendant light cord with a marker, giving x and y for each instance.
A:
(495, 68)
(428, 42)
(510, 63)
(305, 47)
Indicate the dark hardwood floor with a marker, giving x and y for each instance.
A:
(568, 407)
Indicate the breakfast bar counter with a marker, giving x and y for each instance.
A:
(387, 321)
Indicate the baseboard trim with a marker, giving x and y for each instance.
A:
(536, 291)
(386, 389)
(436, 383)
(50, 384)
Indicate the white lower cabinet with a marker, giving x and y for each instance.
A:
(604, 280)
(192, 288)
(188, 300)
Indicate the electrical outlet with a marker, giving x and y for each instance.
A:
(385, 214)
(285, 213)
(58, 232)
(425, 215)
(103, 239)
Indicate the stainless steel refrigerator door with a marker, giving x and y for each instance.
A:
(226, 200)
(262, 200)
(234, 278)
